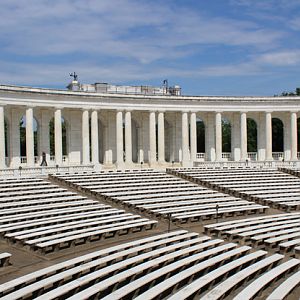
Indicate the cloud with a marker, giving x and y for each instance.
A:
(122, 28)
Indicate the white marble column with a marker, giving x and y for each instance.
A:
(128, 138)
(294, 136)
(29, 137)
(218, 136)
(119, 138)
(152, 138)
(193, 134)
(2, 139)
(85, 138)
(268, 128)
(243, 139)
(185, 137)
(161, 137)
(94, 137)
(58, 137)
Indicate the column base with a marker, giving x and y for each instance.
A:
(187, 164)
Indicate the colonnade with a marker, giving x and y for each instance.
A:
(184, 139)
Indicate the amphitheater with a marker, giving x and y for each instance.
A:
(105, 195)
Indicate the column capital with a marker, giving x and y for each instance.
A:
(294, 111)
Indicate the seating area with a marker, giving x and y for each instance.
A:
(44, 217)
(280, 233)
(174, 265)
(264, 186)
(161, 195)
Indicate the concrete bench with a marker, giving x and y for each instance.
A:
(12, 227)
(289, 245)
(205, 282)
(49, 213)
(221, 212)
(236, 280)
(187, 202)
(177, 199)
(14, 211)
(4, 259)
(53, 234)
(168, 269)
(66, 242)
(42, 201)
(255, 287)
(190, 208)
(147, 243)
(134, 260)
(285, 288)
(37, 196)
(67, 226)
(253, 223)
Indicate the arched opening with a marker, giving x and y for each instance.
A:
(6, 135)
(168, 140)
(251, 139)
(101, 141)
(200, 138)
(52, 137)
(298, 135)
(134, 140)
(226, 138)
(22, 128)
(277, 135)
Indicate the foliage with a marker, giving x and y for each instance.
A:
(251, 135)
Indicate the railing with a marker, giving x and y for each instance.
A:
(277, 155)
(200, 156)
(65, 158)
(298, 154)
(226, 155)
(252, 156)
(52, 157)
(23, 159)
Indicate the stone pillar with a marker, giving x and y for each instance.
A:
(243, 139)
(294, 136)
(185, 138)
(29, 137)
(218, 136)
(268, 127)
(58, 137)
(193, 135)
(119, 138)
(161, 137)
(85, 138)
(94, 137)
(128, 138)
(2, 139)
(152, 137)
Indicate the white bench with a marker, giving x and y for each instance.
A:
(254, 288)
(4, 259)
(285, 288)
(91, 236)
(170, 268)
(236, 280)
(15, 284)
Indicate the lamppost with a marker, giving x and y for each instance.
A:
(217, 210)
(20, 170)
(142, 164)
(169, 216)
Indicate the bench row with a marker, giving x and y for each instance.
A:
(175, 265)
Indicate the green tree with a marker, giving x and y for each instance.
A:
(226, 136)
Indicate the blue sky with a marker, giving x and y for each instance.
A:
(208, 47)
